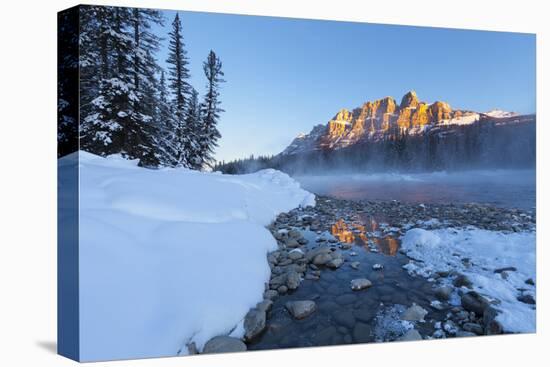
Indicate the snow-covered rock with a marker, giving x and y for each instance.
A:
(444, 250)
(169, 257)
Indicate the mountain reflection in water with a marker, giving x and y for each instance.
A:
(363, 233)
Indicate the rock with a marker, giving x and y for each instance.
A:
(311, 254)
(411, 335)
(473, 328)
(463, 334)
(335, 263)
(507, 268)
(462, 281)
(346, 246)
(265, 305)
(270, 294)
(437, 305)
(377, 267)
(444, 293)
(254, 323)
(527, 298)
(491, 325)
(474, 302)
(360, 283)
(414, 313)
(295, 254)
(362, 332)
(282, 289)
(355, 265)
(293, 280)
(300, 309)
(224, 344)
(292, 243)
(322, 259)
(294, 233)
(345, 299)
(530, 281)
(344, 317)
(353, 253)
(365, 314)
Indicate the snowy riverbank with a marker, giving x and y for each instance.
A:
(171, 256)
(500, 266)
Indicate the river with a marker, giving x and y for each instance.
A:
(504, 188)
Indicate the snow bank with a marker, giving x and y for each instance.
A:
(171, 256)
(487, 251)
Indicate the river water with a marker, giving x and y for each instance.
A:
(504, 188)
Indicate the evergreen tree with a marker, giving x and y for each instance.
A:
(210, 108)
(178, 78)
(194, 129)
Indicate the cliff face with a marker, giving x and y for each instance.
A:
(374, 119)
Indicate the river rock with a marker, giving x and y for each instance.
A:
(270, 294)
(344, 317)
(265, 305)
(527, 298)
(293, 280)
(362, 332)
(472, 327)
(355, 265)
(224, 344)
(322, 259)
(295, 254)
(462, 281)
(254, 323)
(491, 325)
(335, 263)
(300, 309)
(444, 293)
(377, 267)
(292, 243)
(411, 335)
(414, 313)
(463, 334)
(474, 302)
(360, 283)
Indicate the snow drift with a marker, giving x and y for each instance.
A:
(171, 256)
(486, 251)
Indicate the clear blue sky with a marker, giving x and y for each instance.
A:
(286, 75)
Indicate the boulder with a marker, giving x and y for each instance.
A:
(474, 302)
(360, 283)
(411, 335)
(414, 313)
(254, 323)
(224, 344)
(301, 309)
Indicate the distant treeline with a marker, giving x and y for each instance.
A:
(483, 144)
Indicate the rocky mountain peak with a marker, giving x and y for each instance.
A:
(409, 100)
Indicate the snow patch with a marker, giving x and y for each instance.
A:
(478, 253)
(170, 256)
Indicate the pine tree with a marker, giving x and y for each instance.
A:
(194, 129)
(210, 108)
(178, 77)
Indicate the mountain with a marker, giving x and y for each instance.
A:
(413, 135)
(374, 121)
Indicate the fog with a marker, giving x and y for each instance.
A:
(514, 188)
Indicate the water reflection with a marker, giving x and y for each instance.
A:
(366, 234)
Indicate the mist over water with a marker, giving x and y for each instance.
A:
(504, 188)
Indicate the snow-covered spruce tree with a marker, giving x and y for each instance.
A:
(194, 126)
(178, 78)
(210, 109)
(118, 117)
(67, 83)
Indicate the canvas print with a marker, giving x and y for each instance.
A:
(231, 183)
